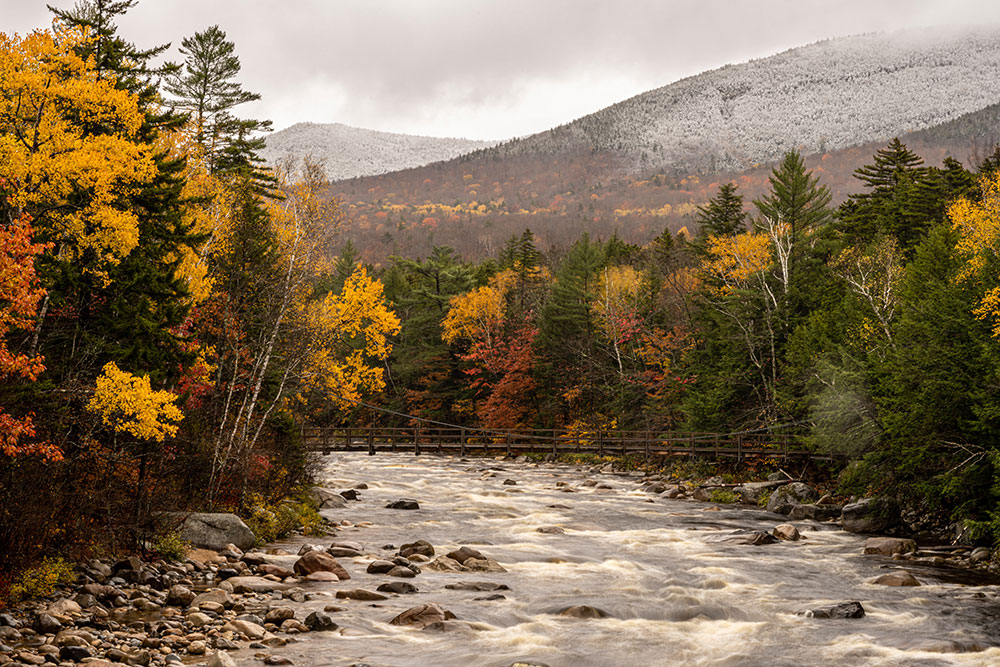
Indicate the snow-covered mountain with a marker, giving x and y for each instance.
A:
(815, 98)
(351, 151)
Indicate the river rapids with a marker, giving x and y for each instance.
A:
(678, 587)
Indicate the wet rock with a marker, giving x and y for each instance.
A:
(248, 629)
(980, 555)
(214, 595)
(703, 494)
(46, 624)
(254, 585)
(291, 626)
(462, 554)
(197, 648)
(345, 549)
(360, 594)
(551, 530)
(672, 491)
(758, 538)
(786, 532)
(380, 566)
(420, 547)
(319, 561)
(214, 530)
(327, 499)
(528, 664)
(422, 615)
(6, 620)
(583, 611)
(490, 598)
(888, 546)
(899, 578)
(751, 492)
(404, 504)
(322, 576)
(306, 548)
(64, 607)
(402, 571)
(399, 587)
(278, 614)
(841, 610)
(480, 586)
(349, 494)
(319, 621)
(179, 596)
(275, 570)
(221, 659)
(871, 515)
(75, 653)
(198, 619)
(785, 497)
(814, 512)
(510, 482)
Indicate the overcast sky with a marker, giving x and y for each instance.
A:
(493, 69)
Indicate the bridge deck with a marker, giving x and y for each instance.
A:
(645, 444)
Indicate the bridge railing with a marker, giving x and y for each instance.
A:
(424, 439)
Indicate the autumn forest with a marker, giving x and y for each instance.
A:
(173, 310)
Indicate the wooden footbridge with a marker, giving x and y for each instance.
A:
(425, 439)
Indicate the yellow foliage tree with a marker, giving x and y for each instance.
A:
(72, 182)
(478, 315)
(349, 337)
(128, 404)
(978, 226)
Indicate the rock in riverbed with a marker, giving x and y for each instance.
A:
(841, 610)
(319, 561)
(423, 615)
(900, 578)
(888, 546)
(404, 504)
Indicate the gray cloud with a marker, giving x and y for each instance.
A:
(494, 68)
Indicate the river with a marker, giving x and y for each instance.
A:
(677, 586)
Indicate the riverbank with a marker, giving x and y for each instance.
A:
(580, 565)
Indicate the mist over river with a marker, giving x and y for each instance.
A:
(676, 583)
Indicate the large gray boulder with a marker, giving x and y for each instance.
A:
(788, 496)
(215, 530)
(871, 515)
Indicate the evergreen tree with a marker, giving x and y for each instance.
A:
(723, 215)
(796, 199)
(206, 90)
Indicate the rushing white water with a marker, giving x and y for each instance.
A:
(677, 586)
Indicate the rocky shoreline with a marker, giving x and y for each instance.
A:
(226, 600)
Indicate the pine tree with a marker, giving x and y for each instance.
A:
(205, 89)
(796, 199)
(723, 215)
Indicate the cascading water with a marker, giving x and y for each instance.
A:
(678, 586)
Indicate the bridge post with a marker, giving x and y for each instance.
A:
(508, 445)
(600, 443)
(739, 447)
(416, 441)
(326, 441)
(645, 445)
(462, 441)
(716, 446)
(784, 446)
(371, 440)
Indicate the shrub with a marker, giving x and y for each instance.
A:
(723, 496)
(170, 547)
(41, 580)
(273, 521)
(764, 498)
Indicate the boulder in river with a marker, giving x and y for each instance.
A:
(786, 532)
(479, 586)
(814, 511)
(319, 561)
(421, 547)
(840, 610)
(871, 515)
(380, 566)
(898, 578)
(398, 587)
(784, 498)
(582, 611)
(361, 594)
(320, 621)
(423, 615)
(327, 499)
(253, 585)
(404, 504)
(214, 530)
(888, 546)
